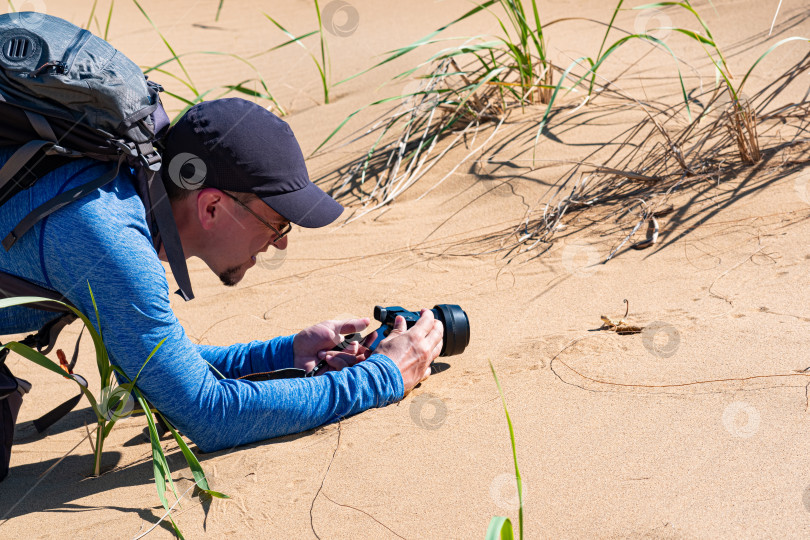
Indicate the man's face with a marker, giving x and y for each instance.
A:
(237, 236)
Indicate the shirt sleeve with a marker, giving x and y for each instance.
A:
(243, 359)
(100, 241)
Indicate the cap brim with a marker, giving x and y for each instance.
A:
(308, 207)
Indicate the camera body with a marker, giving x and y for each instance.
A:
(456, 325)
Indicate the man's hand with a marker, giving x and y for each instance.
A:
(315, 343)
(413, 350)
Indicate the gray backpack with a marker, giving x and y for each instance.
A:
(67, 94)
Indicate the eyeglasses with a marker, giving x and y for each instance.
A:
(279, 234)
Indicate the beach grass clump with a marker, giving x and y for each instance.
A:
(673, 148)
(465, 86)
(481, 81)
(113, 402)
(740, 115)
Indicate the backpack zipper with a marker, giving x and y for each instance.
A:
(64, 66)
(70, 54)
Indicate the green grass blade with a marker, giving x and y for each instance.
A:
(151, 354)
(539, 27)
(96, 337)
(242, 89)
(324, 65)
(652, 39)
(236, 57)
(219, 10)
(730, 87)
(175, 77)
(159, 464)
(95, 308)
(90, 18)
(487, 77)
(102, 358)
(769, 51)
(284, 44)
(694, 35)
(324, 81)
(109, 18)
(194, 464)
(421, 42)
(297, 40)
(168, 46)
(609, 27)
(500, 528)
(43, 361)
(604, 40)
(293, 39)
(189, 103)
(687, 6)
(514, 450)
(37, 358)
(554, 97)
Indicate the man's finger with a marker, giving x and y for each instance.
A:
(436, 333)
(369, 339)
(350, 326)
(340, 361)
(424, 323)
(400, 326)
(437, 349)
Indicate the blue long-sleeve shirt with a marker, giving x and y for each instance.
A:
(104, 239)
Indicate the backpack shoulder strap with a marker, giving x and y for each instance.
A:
(161, 210)
(20, 159)
(44, 210)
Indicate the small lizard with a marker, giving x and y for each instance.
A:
(620, 327)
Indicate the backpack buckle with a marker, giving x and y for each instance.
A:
(128, 148)
(151, 161)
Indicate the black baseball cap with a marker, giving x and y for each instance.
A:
(236, 145)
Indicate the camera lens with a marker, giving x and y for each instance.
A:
(456, 328)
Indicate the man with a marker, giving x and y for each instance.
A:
(236, 179)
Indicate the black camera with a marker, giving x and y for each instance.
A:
(455, 339)
(453, 318)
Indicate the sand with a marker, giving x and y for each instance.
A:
(642, 458)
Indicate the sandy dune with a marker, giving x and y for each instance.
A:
(650, 456)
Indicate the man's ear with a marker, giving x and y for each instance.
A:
(209, 207)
